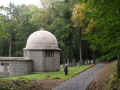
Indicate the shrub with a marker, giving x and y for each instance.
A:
(15, 84)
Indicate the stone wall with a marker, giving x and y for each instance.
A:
(14, 66)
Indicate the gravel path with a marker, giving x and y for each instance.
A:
(81, 81)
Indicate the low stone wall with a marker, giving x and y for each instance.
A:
(14, 66)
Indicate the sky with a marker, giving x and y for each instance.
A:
(19, 2)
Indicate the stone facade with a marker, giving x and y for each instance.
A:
(44, 60)
(53, 62)
(14, 66)
(37, 56)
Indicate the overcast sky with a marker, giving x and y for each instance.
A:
(19, 2)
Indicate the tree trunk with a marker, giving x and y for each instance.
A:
(94, 57)
(81, 60)
(10, 48)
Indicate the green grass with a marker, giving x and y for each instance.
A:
(52, 75)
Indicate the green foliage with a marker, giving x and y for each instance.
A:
(61, 26)
(105, 37)
(15, 84)
(102, 30)
(114, 83)
(79, 15)
(107, 57)
(15, 27)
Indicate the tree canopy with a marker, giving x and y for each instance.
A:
(99, 21)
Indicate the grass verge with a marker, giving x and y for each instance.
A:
(52, 75)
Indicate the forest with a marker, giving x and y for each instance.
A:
(85, 29)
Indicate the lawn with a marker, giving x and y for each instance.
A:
(53, 75)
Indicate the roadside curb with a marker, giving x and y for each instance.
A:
(82, 71)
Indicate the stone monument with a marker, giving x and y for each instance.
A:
(41, 54)
(42, 48)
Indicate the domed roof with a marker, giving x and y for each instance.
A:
(42, 40)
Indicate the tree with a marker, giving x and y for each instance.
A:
(79, 19)
(47, 3)
(106, 36)
(11, 20)
(16, 26)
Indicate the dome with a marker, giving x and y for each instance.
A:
(42, 40)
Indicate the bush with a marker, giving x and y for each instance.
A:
(19, 85)
(14, 85)
(114, 83)
(107, 57)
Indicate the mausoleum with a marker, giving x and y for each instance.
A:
(41, 54)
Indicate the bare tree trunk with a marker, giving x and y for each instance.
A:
(94, 57)
(10, 48)
(81, 60)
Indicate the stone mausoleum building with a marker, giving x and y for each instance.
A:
(41, 54)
